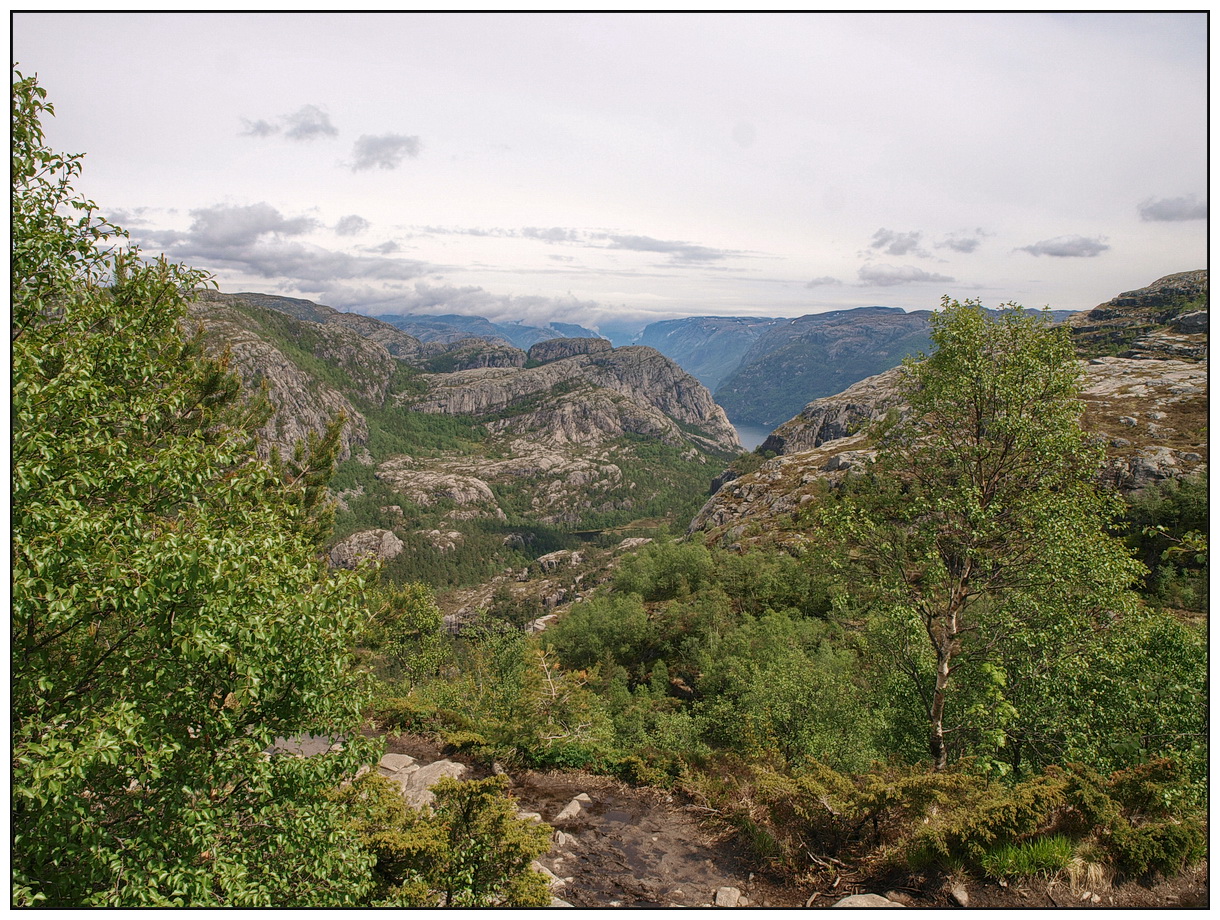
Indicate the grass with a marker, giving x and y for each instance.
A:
(1040, 856)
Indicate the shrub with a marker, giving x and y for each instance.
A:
(468, 850)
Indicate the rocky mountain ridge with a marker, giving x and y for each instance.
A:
(453, 327)
(454, 454)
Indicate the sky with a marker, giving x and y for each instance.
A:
(624, 168)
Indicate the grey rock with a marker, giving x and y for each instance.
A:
(413, 780)
(1189, 323)
(558, 349)
(960, 895)
(727, 896)
(568, 812)
(367, 544)
(866, 900)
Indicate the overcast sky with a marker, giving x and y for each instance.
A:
(601, 167)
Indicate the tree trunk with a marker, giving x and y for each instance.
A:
(936, 717)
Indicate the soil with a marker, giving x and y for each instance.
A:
(642, 847)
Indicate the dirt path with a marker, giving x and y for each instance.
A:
(639, 847)
(630, 847)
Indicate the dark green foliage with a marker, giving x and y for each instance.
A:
(604, 630)
(1137, 817)
(1166, 525)
(779, 687)
(665, 571)
(170, 615)
(958, 820)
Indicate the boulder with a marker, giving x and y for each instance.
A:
(367, 544)
(727, 896)
(865, 900)
(414, 781)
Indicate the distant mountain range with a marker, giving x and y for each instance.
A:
(451, 327)
(762, 370)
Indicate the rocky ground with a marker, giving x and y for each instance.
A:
(623, 846)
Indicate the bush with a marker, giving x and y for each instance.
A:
(468, 850)
(664, 571)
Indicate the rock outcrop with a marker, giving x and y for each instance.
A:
(414, 780)
(641, 392)
(301, 403)
(557, 349)
(1166, 319)
(379, 545)
(838, 416)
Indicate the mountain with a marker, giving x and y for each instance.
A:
(796, 360)
(709, 347)
(459, 458)
(451, 327)
(818, 355)
(1144, 387)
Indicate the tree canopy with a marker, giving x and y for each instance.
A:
(981, 529)
(171, 617)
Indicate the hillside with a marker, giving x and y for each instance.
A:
(818, 355)
(459, 458)
(1146, 397)
(709, 347)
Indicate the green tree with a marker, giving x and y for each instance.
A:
(170, 614)
(981, 520)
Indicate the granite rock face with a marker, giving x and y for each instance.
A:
(367, 544)
(557, 349)
(838, 416)
(587, 398)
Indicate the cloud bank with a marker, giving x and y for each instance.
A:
(1066, 247)
(1188, 207)
(258, 240)
(383, 151)
(890, 275)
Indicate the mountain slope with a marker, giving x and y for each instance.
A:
(1150, 409)
(811, 356)
(451, 327)
(709, 347)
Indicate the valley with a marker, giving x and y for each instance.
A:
(538, 492)
(555, 592)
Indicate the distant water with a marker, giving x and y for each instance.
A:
(751, 435)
